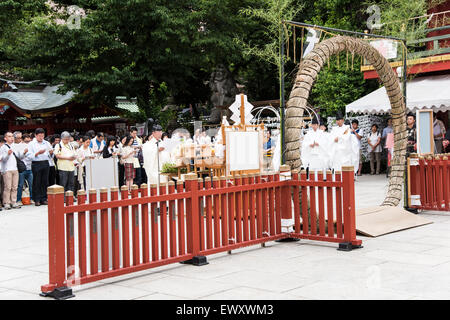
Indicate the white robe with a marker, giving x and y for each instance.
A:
(345, 152)
(316, 158)
(150, 154)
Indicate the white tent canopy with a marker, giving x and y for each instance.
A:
(432, 92)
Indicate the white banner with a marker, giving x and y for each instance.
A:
(102, 173)
(243, 150)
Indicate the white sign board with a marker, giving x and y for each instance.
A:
(243, 150)
(424, 131)
(102, 173)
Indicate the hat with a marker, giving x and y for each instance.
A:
(339, 115)
(156, 127)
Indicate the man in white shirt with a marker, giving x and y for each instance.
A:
(40, 152)
(10, 173)
(20, 147)
(97, 145)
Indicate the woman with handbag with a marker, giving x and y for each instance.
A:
(121, 166)
(127, 158)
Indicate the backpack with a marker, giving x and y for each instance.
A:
(21, 167)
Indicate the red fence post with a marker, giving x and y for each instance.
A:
(56, 288)
(125, 229)
(93, 235)
(115, 230)
(288, 196)
(135, 226)
(413, 179)
(70, 240)
(193, 221)
(348, 180)
(216, 213)
(224, 211)
(104, 231)
(145, 225)
(82, 239)
(445, 178)
(172, 222)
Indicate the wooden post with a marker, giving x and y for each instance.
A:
(242, 110)
(115, 230)
(192, 221)
(82, 238)
(104, 231)
(348, 180)
(70, 239)
(56, 246)
(286, 208)
(145, 225)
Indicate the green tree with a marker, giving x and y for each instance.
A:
(404, 19)
(338, 85)
(271, 16)
(131, 47)
(14, 16)
(122, 48)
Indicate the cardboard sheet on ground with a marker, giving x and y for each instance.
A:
(377, 221)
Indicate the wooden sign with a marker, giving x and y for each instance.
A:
(424, 131)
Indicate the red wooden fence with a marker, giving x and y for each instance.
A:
(429, 182)
(123, 233)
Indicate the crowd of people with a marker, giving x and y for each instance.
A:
(31, 162)
(34, 161)
(342, 146)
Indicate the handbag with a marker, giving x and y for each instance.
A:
(26, 193)
(136, 163)
(21, 167)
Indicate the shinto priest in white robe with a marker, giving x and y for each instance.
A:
(150, 154)
(315, 157)
(344, 152)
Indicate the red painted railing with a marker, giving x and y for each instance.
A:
(429, 182)
(108, 237)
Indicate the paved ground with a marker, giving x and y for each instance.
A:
(412, 264)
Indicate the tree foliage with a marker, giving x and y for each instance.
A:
(154, 49)
(339, 85)
(404, 19)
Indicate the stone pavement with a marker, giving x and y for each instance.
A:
(411, 264)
